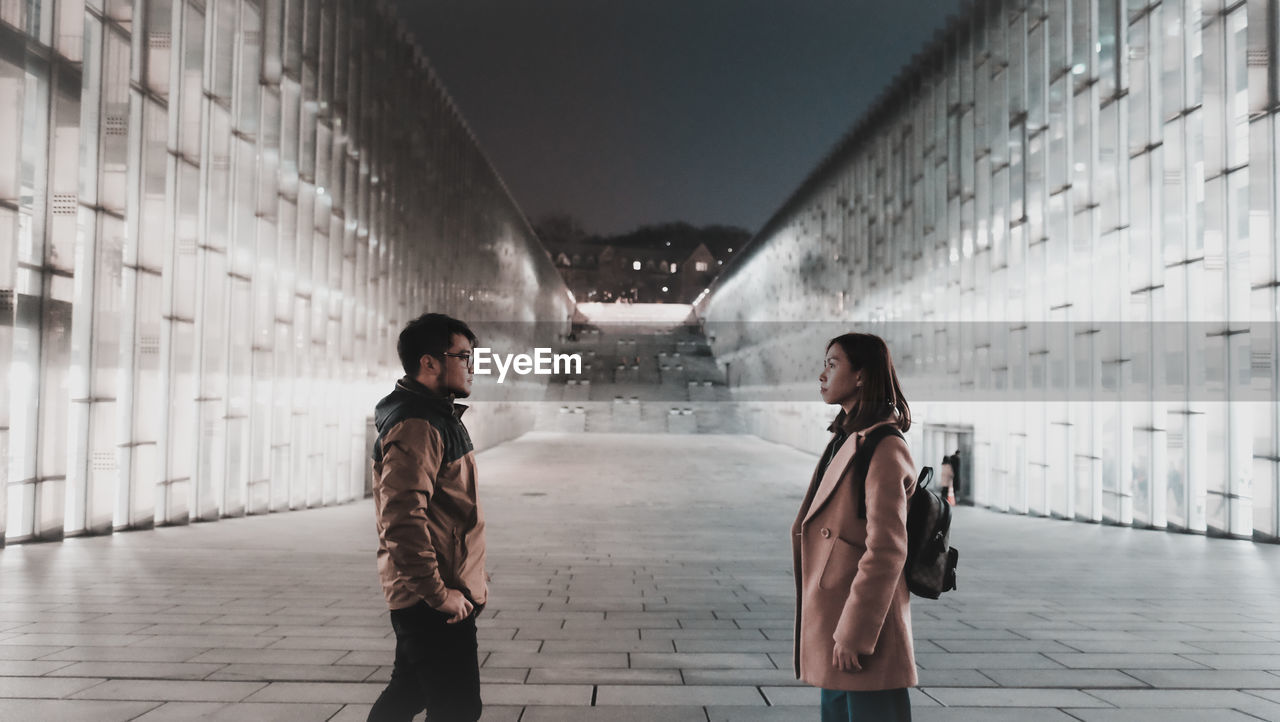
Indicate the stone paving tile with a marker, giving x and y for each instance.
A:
(80, 628)
(986, 660)
(325, 630)
(790, 696)
(713, 624)
(162, 618)
(29, 669)
(364, 658)
(1061, 635)
(537, 694)
(802, 696)
(332, 692)
(69, 640)
(732, 645)
(545, 625)
(561, 646)
(169, 690)
(496, 675)
(1269, 662)
(1209, 701)
(65, 710)
(515, 646)
(752, 677)
(1157, 715)
(954, 678)
(651, 619)
(1270, 694)
(594, 635)
(991, 714)
(1072, 678)
(138, 670)
(26, 654)
(528, 615)
(642, 695)
(684, 634)
(291, 618)
(1206, 679)
(204, 641)
(1253, 626)
(360, 713)
(568, 660)
(1124, 661)
(287, 656)
(1014, 697)
(701, 661)
(761, 714)
(565, 675)
(1130, 646)
(763, 612)
(1194, 635)
(311, 643)
(1000, 646)
(1258, 647)
(292, 673)
(218, 712)
(614, 714)
(125, 654)
(44, 687)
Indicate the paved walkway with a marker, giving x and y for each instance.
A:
(635, 577)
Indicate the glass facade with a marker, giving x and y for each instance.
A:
(215, 217)
(1063, 218)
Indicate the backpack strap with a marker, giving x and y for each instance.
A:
(862, 461)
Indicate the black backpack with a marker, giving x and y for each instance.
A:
(931, 560)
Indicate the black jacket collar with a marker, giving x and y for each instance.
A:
(445, 404)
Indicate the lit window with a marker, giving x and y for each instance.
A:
(700, 266)
(673, 268)
(635, 265)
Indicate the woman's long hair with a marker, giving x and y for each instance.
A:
(880, 395)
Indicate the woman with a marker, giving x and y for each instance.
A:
(853, 618)
(949, 477)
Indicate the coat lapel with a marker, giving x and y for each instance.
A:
(831, 478)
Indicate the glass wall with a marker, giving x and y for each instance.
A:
(215, 217)
(1064, 220)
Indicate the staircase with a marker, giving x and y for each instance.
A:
(646, 376)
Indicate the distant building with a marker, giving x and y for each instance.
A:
(666, 264)
(697, 272)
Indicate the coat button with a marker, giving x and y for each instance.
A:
(826, 533)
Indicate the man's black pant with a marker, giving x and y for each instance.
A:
(436, 669)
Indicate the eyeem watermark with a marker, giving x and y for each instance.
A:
(542, 363)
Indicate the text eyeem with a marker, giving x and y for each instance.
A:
(542, 363)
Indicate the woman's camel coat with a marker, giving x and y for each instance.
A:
(849, 571)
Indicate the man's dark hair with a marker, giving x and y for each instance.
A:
(430, 333)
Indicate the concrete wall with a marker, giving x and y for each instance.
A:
(211, 233)
(1063, 219)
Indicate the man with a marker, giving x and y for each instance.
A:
(430, 529)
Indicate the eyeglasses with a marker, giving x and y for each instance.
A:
(465, 356)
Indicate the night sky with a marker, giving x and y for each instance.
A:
(630, 112)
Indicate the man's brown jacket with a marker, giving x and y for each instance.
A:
(430, 528)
